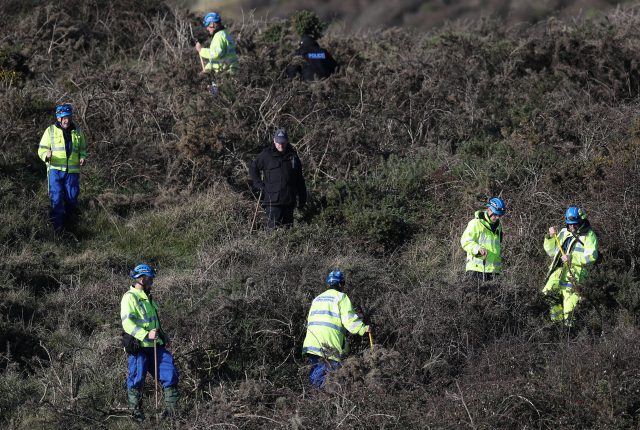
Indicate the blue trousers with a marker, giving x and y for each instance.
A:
(142, 362)
(319, 369)
(63, 191)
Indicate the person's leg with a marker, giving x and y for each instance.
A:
(552, 291)
(319, 369)
(287, 216)
(56, 195)
(72, 190)
(168, 377)
(274, 216)
(137, 370)
(316, 374)
(570, 301)
(473, 281)
(167, 372)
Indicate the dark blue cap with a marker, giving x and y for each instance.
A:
(281, 136)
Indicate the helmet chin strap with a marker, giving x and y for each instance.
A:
(576, 233)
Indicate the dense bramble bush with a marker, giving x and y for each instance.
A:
(307, 22)
(400, 147)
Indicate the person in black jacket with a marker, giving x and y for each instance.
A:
(277, 173)
(310, 61)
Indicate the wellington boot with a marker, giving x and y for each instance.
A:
(171, 397)
(135, 404)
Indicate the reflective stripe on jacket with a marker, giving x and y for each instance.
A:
(139, 316)
(53, 139)
(582, 251)
(478, 234)
(330, 317)
(221, 53)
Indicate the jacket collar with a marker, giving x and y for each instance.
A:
(287, 150)
(485, 221)
(138, 293)
(72, 126)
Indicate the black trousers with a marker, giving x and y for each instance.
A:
(279, 216)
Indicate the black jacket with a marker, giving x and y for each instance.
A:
(279, 176)
(316, 63)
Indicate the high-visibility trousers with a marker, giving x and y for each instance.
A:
(560, 286)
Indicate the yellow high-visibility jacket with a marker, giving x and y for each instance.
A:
(330, 317)
(581, 249)
(53, 139)
(479, 234)
(221, 53)
(139, 316)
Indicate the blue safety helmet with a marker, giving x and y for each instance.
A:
(210, 18)
(64, 110)
(497, 206)
(335, 278)
(574, 215)
(142, 270)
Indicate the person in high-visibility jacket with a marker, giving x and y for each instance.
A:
(64, 150)
(221, 55)
(330, 317)
(141, 325)
(482, 240)
(580, 246)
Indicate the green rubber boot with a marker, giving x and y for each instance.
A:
(135, 404)
(171, 397)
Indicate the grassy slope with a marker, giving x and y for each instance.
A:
(399, 148)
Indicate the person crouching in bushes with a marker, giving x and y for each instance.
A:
(141, 325)
(571, 263)
(330, 316)
(482, 240)
(310, 61)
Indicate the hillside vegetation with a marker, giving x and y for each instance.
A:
(399, 148)
(360, 15)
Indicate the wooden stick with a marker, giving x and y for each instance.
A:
(255, 212)
(155, 363)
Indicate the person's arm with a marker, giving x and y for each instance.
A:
(550, 245)
(129, 317)
(331, 62)
(350, 320)
(255, 172)
(208, 54)
(469, 239)
(82, 147)
(44, 147)
(294, 68)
